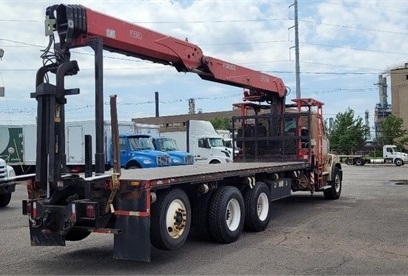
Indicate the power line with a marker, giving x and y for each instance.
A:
(353, 27)
(356, 49)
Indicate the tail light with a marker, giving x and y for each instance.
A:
(90, 211)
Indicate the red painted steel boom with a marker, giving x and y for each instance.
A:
(76, 25)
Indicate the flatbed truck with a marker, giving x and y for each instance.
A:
(390, 155)
(159, 206)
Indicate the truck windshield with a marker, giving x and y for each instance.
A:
(140, 143)
(216, 142)
(167, 144)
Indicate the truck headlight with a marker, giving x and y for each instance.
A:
(10, 171)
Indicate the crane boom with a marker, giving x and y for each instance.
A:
(76, 25)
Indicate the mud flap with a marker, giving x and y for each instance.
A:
(41, 237)
(133, 242)
(49, 223)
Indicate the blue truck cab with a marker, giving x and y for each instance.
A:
(137, 151)
(169, 146)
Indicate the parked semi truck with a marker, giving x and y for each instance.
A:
(138, 151)
(390, 155)
(229, 140)
(201, 140)
(159, 206)
(7, 183)
(19, 145)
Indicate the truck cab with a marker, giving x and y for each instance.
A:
(392, 155)
(7, 185)
(137, 151)
(206, 144)
(169, 146)
(211, 149)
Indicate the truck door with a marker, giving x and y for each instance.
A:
(201, 149)
(388, 154)
(123, 152)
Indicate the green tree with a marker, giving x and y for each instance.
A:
(391, 132)
(348, 133)
(221, 123)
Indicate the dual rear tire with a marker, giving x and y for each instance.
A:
(257, 206)
(220, 215)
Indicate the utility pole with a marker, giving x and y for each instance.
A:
(156, 101)
(297, 63)
(2, 89)
(191, 106)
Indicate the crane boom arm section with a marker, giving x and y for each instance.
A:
(76, 25)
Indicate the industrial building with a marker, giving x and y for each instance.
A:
(399, 93)
(178, 122)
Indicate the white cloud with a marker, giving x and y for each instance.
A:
(344, 46)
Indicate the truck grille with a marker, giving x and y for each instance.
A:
(163, 160)
(189, 160)
(3, 172)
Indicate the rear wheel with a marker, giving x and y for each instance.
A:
(359, 162)
(199, 221)
(5, 199)
(257, 207)
(335, 186)
(170, 219)
(349, 161)
(226, 216)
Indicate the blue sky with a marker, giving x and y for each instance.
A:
(344, 46)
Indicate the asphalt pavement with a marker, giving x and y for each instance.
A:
(365, 232)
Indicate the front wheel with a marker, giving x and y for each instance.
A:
(132, 165)
(5, 199)
(77, 235)
(335, 186)
(227, 213)
(257, 207)
(170, 219)
(399, 162)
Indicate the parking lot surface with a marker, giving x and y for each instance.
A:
(365, 232)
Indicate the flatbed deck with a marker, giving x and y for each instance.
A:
(192, 173)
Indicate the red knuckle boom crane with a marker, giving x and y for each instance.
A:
(158, 206)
